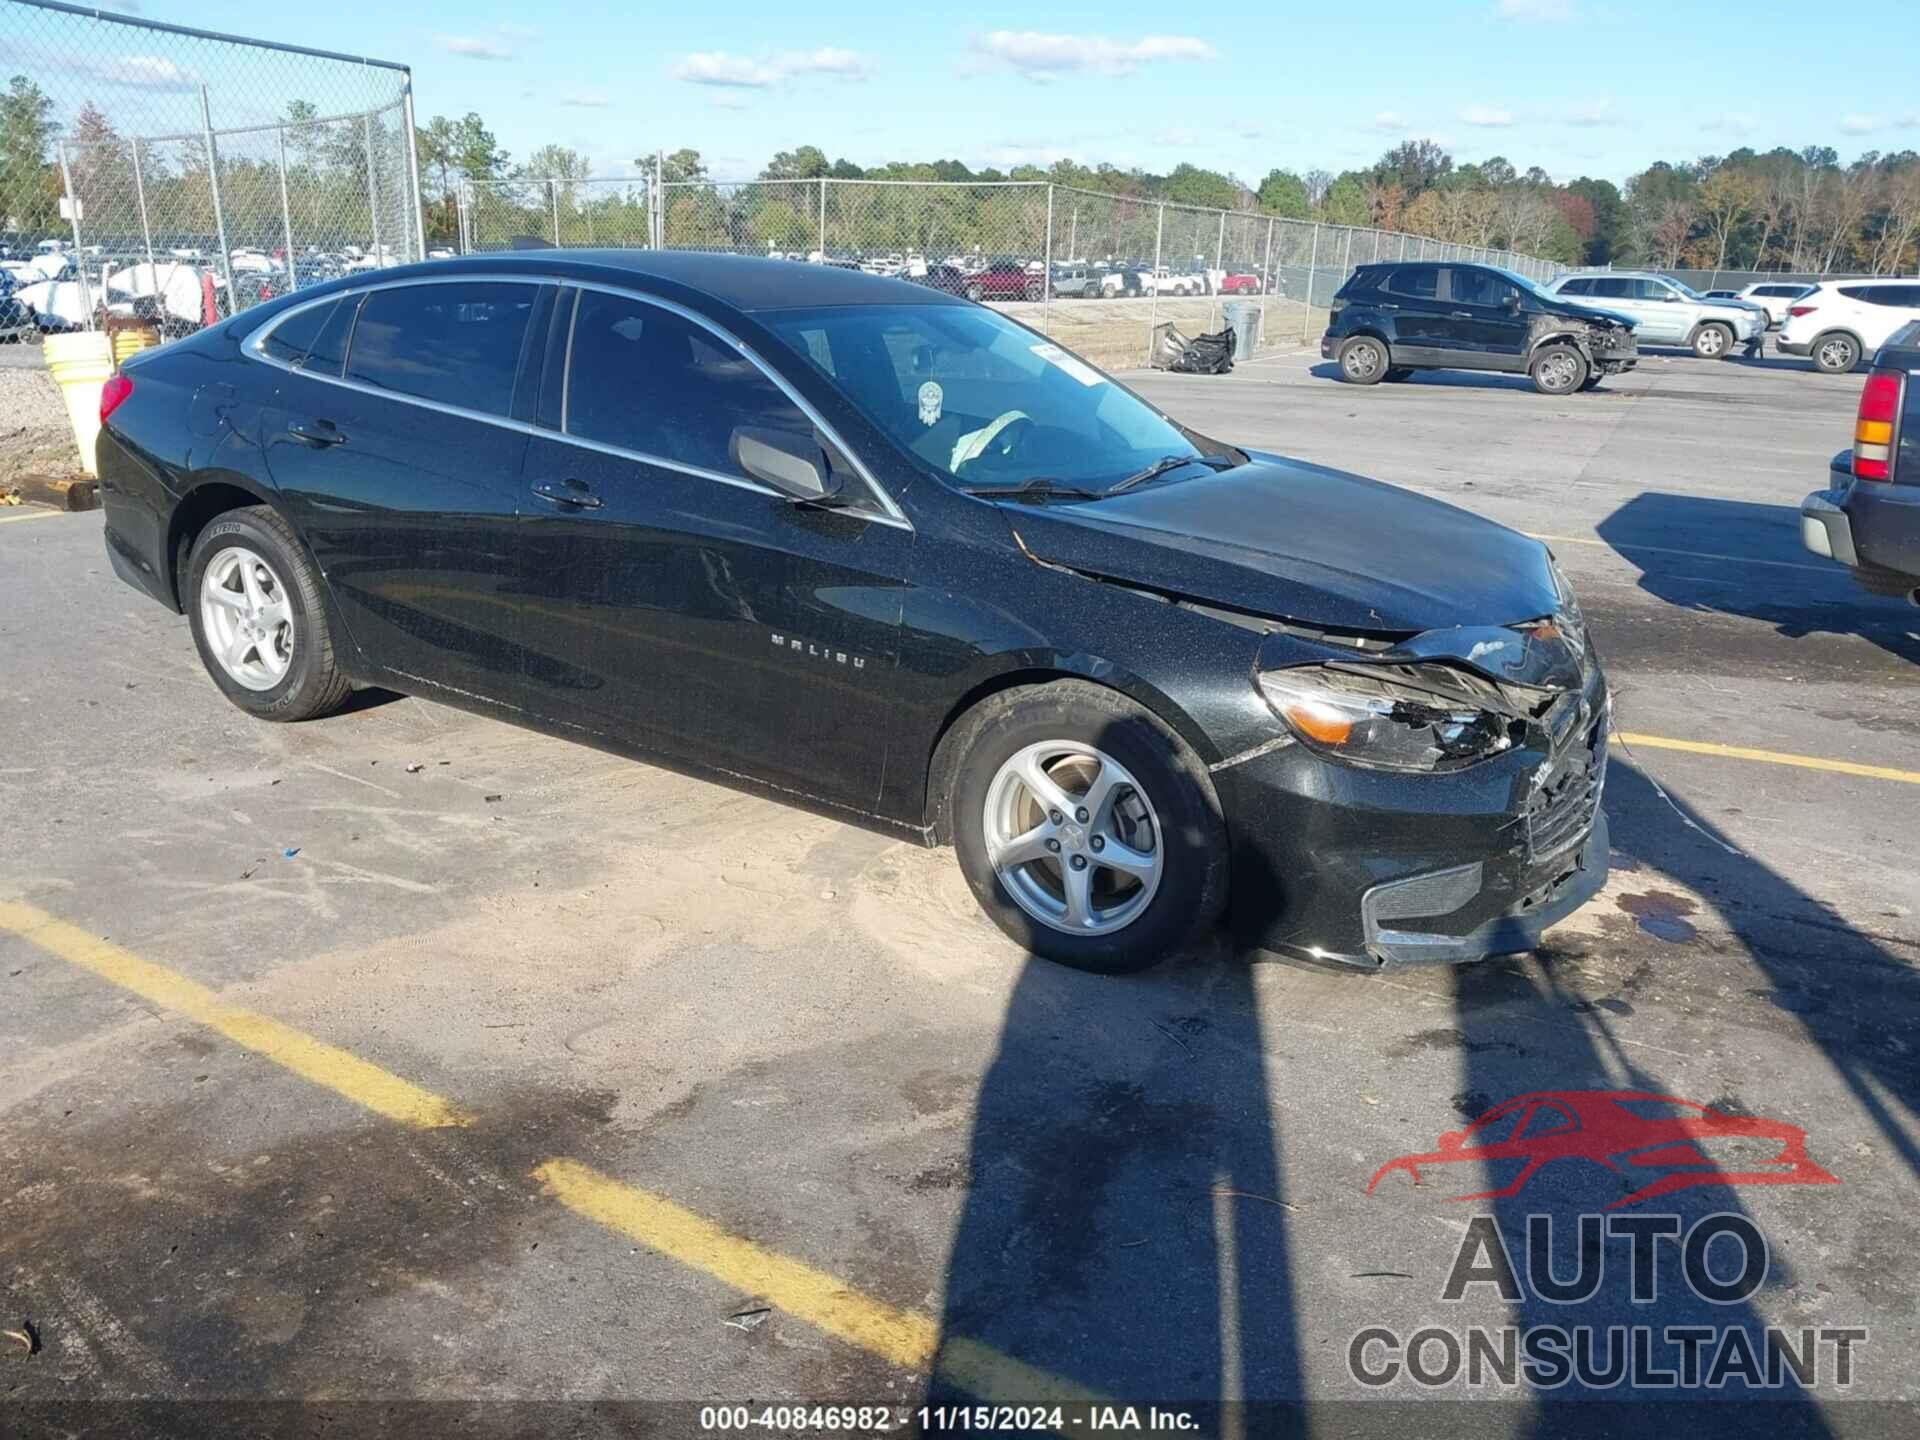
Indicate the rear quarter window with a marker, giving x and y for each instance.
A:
(289, 339)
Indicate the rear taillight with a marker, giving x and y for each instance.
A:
(1796, 311)
(113, 394)
(1873, 430)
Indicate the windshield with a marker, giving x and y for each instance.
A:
(978, 398)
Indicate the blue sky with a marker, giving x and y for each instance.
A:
(1577, 86)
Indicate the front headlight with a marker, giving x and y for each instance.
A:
(1381, 723)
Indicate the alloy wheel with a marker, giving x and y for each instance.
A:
(1362, 361)
(1559, 372)
(1711, 342)
(1073, 838)
(247, 618)
(1837, 356)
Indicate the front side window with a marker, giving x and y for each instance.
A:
(642, 378)
(978, 399)
(457, 344)
(1577, 287)
(1652, 290)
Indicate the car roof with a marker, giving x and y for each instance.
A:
(751, 283)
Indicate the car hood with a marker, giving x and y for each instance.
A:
(1591, 312)
(1293, 541)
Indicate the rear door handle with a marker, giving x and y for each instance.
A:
(319, 436)
(569, 493)
(1459, 314)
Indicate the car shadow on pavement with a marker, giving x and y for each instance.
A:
(1741, 557)
(1848, 990)
(1552, 1022)
(1126, 1222)
(1452, 379)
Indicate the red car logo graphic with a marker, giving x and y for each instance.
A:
(1634, 1133)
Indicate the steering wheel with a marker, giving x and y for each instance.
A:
(1009, 438)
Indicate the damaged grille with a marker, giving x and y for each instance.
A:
(1562, 807)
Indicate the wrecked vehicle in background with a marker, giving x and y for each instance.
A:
(1389, 321)
(865, 545)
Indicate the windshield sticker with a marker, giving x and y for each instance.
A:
(930, 397)
(1078, 369)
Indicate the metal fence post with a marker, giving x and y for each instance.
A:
(553, 200)
(823, 219)
(140, 197)
(79, 251)
(1313, 259)
(219, 211)
(373, 190)
(1046, 301)
(1346, 257)
(1153, 304)
(286, 211)
(413, 166)
(1266, 279)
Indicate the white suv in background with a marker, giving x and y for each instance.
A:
(1665, 312)
(1843, 321)
(1774, 296)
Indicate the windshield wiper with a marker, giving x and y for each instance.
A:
(1166, 463)
(1040, 487)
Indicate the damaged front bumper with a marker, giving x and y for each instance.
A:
(1375, 868)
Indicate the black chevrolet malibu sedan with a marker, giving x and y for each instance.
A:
(860, 544)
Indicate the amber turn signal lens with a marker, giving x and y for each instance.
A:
(1320, 722)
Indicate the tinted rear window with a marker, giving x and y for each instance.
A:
(456, 344)
(329, 352)
(289, 340)
(1421, 282)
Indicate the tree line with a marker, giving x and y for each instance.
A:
(1782, 209)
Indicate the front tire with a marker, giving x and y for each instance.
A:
(254, 603)
(1713, 341)
(1363, 360)
(1558, 370)
(1136, 880)
(1836, 354)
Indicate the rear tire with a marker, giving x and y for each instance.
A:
(1363, 360)
(1713, 341)
(1836, 354)
(1558, 370)
(260, 623)
(1162, 803)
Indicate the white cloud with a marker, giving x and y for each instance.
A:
(1486, 116)
(1534, 9)
(586, 100)
(474, 47)
(1592, 113)
(1040, 55)
(743, 72)
(1389, 122)
(1858, 124)
(133, 72)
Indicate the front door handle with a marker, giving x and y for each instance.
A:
(319, 436)
(569, 493)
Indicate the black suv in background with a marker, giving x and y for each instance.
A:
(1390, 320)
(1870, 519)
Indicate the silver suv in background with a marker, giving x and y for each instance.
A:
(1665, 312)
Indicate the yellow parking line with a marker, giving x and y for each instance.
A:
(1772, 757)
(30, 515)
(904, 1337)
(364, 1084)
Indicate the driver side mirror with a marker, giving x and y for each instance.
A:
(793, 464)
(1512, 302)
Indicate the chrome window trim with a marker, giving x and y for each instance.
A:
(251, 346)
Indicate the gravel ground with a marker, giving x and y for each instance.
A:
(34, 436)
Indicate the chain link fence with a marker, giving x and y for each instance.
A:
(178, 175)
(1094, 270)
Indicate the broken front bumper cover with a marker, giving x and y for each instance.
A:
(1567, 885)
